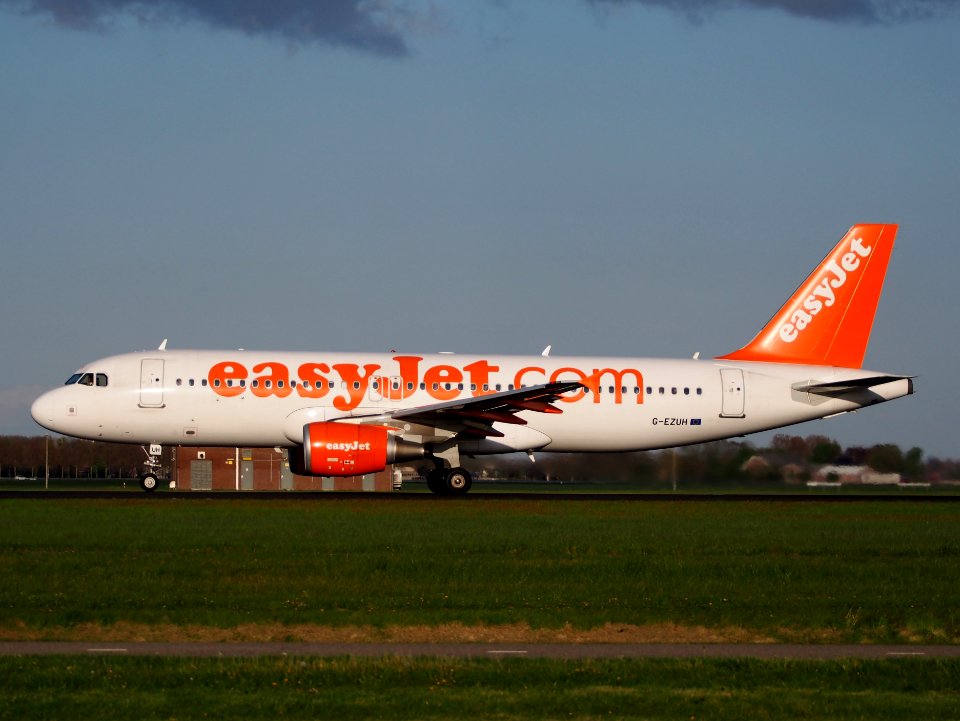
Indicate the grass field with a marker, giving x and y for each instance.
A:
(144, 688)
(478, 569)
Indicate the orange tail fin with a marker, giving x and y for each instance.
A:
(828, 320)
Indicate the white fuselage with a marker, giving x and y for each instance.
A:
(262, 399)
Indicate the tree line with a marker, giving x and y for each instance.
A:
(789, 457)
(26, 456)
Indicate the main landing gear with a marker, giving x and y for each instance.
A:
(449, 481)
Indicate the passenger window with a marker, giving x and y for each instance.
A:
(179, 381)
(686, 391)
(190, 383)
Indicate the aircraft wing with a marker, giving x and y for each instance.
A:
(474, 417)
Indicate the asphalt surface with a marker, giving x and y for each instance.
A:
(481, 650)
(547, 495)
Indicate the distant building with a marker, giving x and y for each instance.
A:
(260, 469)
(855, 474)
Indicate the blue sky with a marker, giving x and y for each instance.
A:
(626, 178)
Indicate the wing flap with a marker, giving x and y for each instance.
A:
(474, 417)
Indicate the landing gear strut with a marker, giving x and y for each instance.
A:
(150, 478)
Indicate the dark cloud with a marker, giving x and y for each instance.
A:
(371, 25)
(864, 11)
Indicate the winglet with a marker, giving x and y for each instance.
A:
(827, 321)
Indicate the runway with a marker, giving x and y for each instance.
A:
(479, 496)
(812, 652)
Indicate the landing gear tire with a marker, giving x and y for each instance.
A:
(149, 482)
(457, 481)
(435, 480)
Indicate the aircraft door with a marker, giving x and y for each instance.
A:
(151, 383)
(731, 379)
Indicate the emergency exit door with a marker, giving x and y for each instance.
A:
(732, 404)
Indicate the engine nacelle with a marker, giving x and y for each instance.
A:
(350, 449)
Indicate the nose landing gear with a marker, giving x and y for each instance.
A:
(152, 468)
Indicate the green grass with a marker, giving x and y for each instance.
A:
(161, 688)
(840, 572)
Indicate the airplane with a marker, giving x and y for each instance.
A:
(348, 414)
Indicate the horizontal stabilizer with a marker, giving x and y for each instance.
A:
(846, 386)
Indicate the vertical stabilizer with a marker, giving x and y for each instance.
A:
(828, 320)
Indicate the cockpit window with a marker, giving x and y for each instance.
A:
(88, 379)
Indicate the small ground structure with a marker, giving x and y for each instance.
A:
(260, 469)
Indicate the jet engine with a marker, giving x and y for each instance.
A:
(350, 449)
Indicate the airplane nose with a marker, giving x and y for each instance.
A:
(42, 411)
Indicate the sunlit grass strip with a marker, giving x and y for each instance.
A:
(787, 571)
(145, 688)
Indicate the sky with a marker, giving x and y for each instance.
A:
(612, 177)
